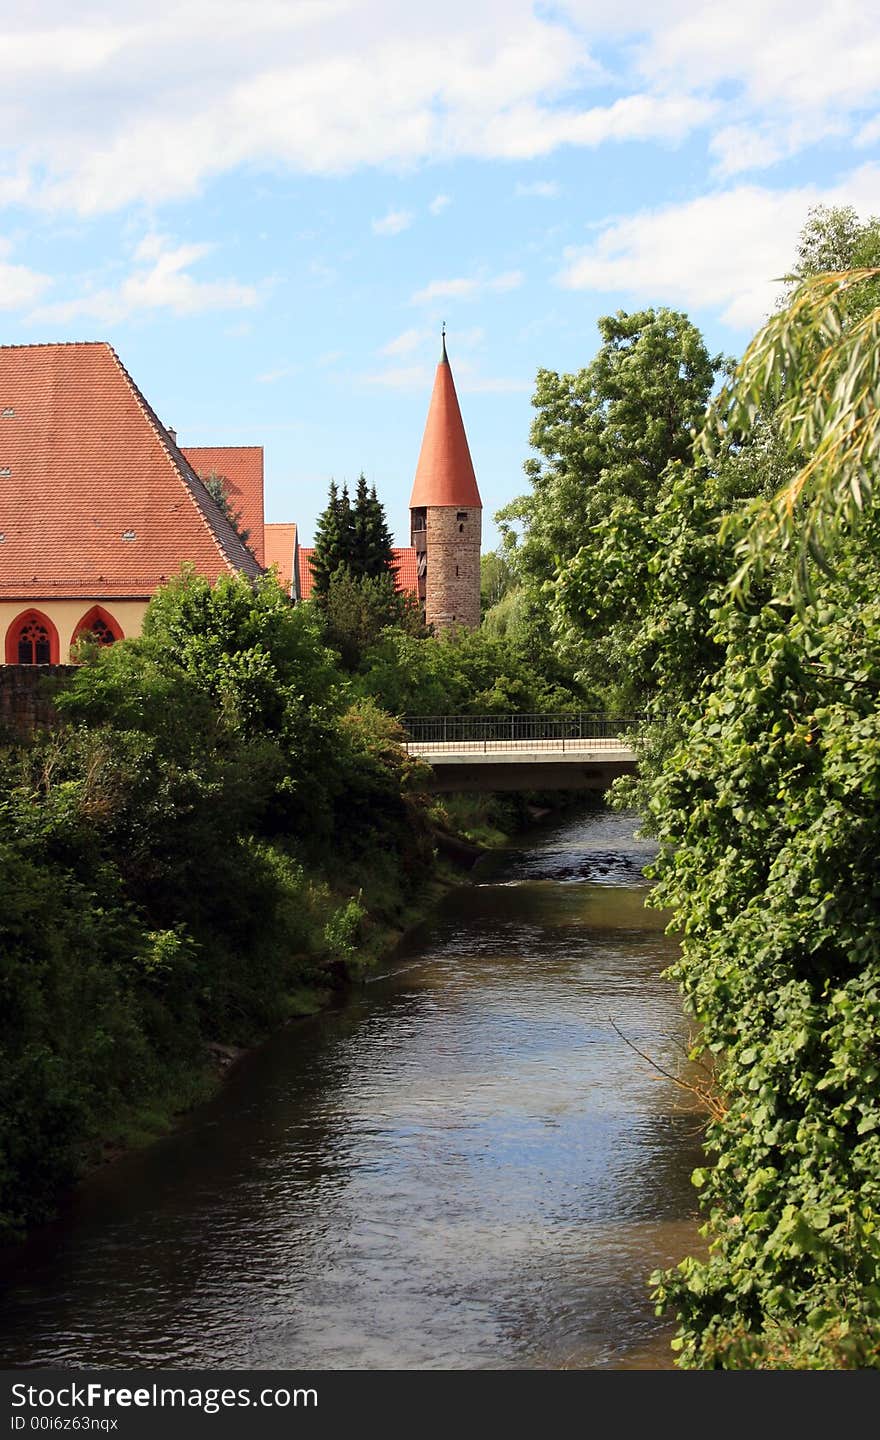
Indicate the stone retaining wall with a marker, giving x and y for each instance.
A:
(26, 696)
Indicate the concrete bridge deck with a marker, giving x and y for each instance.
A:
(569, 762)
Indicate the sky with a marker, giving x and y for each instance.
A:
(269, 207)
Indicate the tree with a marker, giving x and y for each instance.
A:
(218, 487)
(334, 541)
(373, 546)
(353, 536)
(359, 607)
(814, 366)
(610, 438)
(608, 432)
(834, 238)
(497, 578)
(767, 814)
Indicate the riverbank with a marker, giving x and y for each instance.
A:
(479, 821)
(325, 939)
(192, 1083)
(460, 1166)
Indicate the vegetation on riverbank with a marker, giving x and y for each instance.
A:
(220, 832)
(734, 598)
(223, 832)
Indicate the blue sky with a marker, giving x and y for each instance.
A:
(269, 206)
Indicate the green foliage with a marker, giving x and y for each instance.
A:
(354, 537)
(358, 608)
(181, 863)
(463, 672)
(634, 608)
(218, 489)
(372, 554)
(765, 796)
(814, 366)
(334, 541)
(612, 440)
(769, 824)
(497, 578)
(608, 432)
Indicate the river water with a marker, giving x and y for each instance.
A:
(464, 1166)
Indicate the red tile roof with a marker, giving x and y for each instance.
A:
(445, 472)
(241, 467)
(280, 550)
(407, 569)
(96, 499)
(404, 557)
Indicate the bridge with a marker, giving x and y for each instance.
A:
(573, 751)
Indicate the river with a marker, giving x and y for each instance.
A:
(463, 1166)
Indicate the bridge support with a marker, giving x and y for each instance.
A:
(473, 774)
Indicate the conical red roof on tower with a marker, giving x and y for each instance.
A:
(445, 472)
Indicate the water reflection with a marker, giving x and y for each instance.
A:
(464, 1166)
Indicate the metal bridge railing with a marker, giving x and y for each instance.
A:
(476, 732)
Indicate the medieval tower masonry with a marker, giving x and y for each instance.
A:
(446, 513)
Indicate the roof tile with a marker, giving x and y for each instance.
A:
(241, 467)
(445, 472)
(406, 572)
(99, 500)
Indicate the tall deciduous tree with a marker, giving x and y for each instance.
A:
(768, 818)
(609, 431)
(607, 437)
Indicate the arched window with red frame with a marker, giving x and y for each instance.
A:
(32, 640)
(98, 625)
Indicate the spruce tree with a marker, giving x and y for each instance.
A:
(354, 537)
(361, 528)
(379, 547)
(333, 541)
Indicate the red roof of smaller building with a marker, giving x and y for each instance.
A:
(241, 468)
(406, 573)
(280, 546)
(407, 568)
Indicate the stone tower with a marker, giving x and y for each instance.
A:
(446, 512)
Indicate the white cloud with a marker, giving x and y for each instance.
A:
(151, 100)
(270, 377)
(725, 251)
(488, 385)
(401, 377)
(147, 101)
(467, 379)
(467, 288)
(393, 222)
(404, 343)
(740, 147)
(869, 134)
(544, 189)
(527, 131)
(160, 280)
(439, 204)
(804, 54)
(19, 285)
